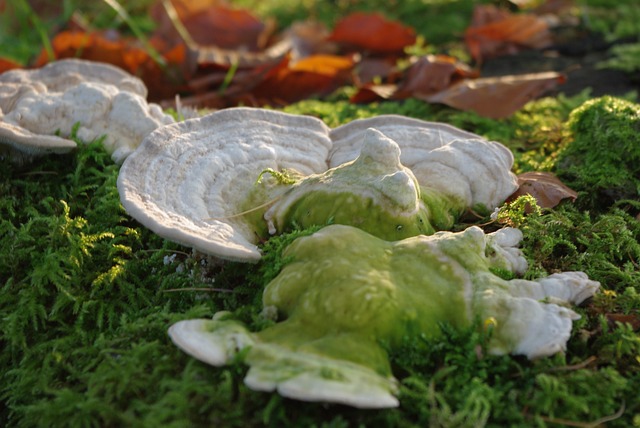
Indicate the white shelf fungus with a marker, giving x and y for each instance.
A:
(35, 105)
(195, 182)
(345, 292)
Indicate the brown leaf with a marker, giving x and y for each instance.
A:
(225, 28)
(431, 74)
(309, 38)
(371, 92)
(545, 187)
(370, 69)
(496, 97)
(632, 319)
(209, 23)
(315, 75)
(373, 32)
(427, 75)
(496, 32)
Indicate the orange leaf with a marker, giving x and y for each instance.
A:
(545, 187)
(315, 75)
(126, 54)
(372, 31)
(496, 97)
(8, 64)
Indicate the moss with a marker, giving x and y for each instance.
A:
(84, 340)
(601, 159)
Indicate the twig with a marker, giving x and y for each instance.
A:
(593, 424)
(221, 290)
(578, 366)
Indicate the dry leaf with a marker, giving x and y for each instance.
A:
(309, 38)
(8, 64)
(373, 32)
(427, 75)
(496, 32)
(431, 74)
(208, 23)
(545, 187)
(496, 97)
(631, 319)
(312, 76)
(126, 54)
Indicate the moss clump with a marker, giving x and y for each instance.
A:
(602, 157)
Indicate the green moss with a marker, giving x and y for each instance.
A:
(86, 296)
(601, 159)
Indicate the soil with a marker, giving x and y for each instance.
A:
(577, 58)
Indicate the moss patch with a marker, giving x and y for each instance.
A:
(86, 297)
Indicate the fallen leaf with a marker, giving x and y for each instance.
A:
(545, 187)
(496, 32)
(373, 32)
(371, 92)
(127, 54)
(427, 75)
(632, 319)
(431, 74)
(496, 97)
(312, 76)
(8, 64)
(369, 70)
(208, 23)
(218, 35)
(309, 38)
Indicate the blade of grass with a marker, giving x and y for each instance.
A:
(39, 27)
(153, 53)
(172, 13)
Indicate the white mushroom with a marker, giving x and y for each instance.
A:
(442, 157)
(35, 105)
(192, 182)
(188, 181)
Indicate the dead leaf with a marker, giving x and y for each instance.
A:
(8, 64)
(545, 187)
(427, 75)
(632, 319)
(312, 76)
(496, 97)
(373, 32)
(496, 32)
(373, 92)
(369, 70)
(209, 23)
(431, 74)
(127, 54)
(309, 38)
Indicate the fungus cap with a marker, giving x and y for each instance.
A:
(104, 100)
(190, 182)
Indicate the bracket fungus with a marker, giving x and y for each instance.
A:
(36, 105)
(344, 293)
(208, 167)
